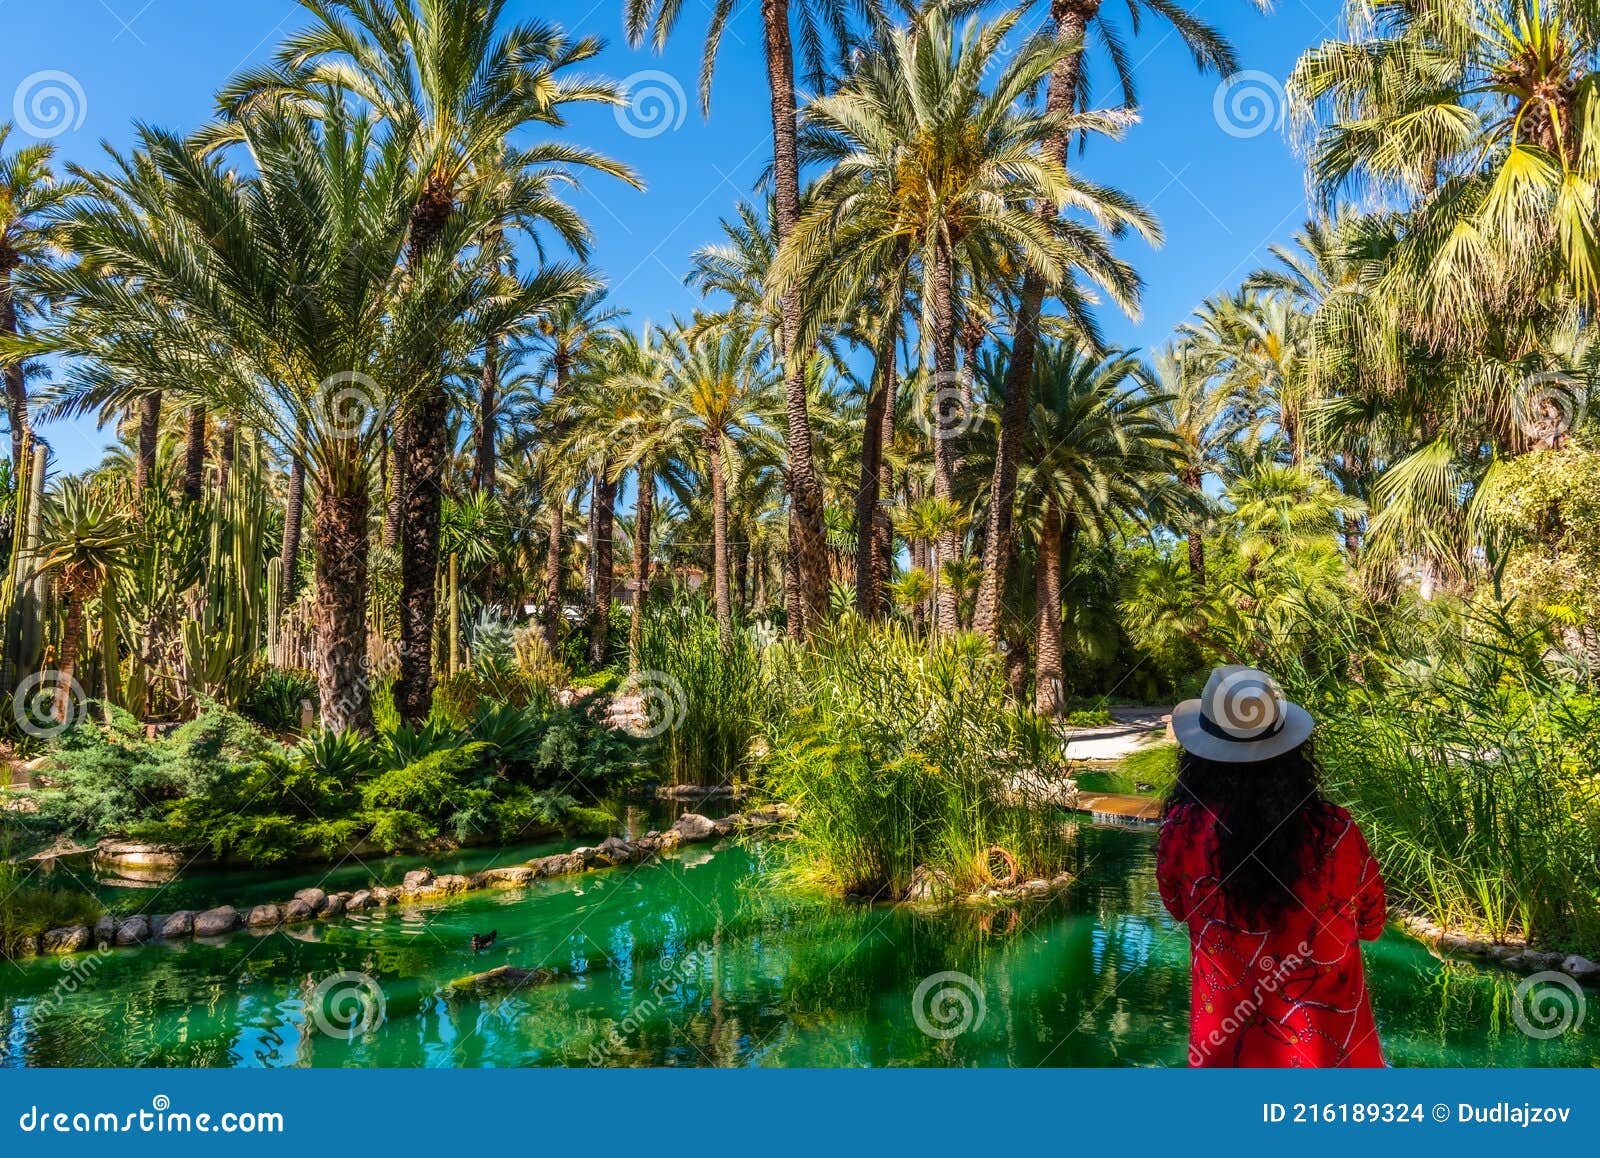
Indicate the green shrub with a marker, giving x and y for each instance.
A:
(582, 821)
(1088, 718)
(274, 696)
(898, 755)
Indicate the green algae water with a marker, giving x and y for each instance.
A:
(699, 960)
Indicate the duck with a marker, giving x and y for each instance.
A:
(484, 940)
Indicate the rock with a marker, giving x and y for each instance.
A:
(1504, 953)
(215, 922)
(558, 865)
(333, 906)
(647, 846)
(1581, 968)
(1061, 882)
(135, 930)
(509, 877)
(417, 879)
(505, 977)
(928, 885)
(450, 883)
(296, 911)
(383, 897)
(1036, 887)
(68, 939)
(670, 839)
(615, 850)
(1464, 945)
(693, 828)
(105, 930)
(359, 900)
(264, 917)
(316, 898)
(587, 854)
(180, 924)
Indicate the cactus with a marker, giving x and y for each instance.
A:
(22, 591)
(274, 608)
(455, 611)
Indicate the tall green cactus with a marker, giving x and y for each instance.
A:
(22, 590)
(274, 608)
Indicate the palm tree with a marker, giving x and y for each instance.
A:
(1094, 443)
(806, 576)
(30, 196)
(930, 154)
(722, 390)
(934, 522)
(566, 339)
(277, 299)
(1072, 21)
(86, 545)
(455, 80)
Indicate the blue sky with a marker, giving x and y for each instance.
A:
(1222, 197)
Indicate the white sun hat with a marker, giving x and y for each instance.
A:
(1240, 718)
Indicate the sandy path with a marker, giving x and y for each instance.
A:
(1131, 730)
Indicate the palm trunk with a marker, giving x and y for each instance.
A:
(807, 570)
(643, 513)
(605, 519)
(1197, 544)
(293, 514)
(16, 383)
(1047, 578)
(423, 435)
(71, 633)
(870, 578)
(947, 604)
(194, 455)
(556, 499)
(719, 541)
(394, 489)
(1071, 19)
(144, 461)
(488, 416)
(339, 529)
(882, 526)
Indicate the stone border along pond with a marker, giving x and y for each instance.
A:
(690, 828)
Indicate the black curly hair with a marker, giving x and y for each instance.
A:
(1270, 817)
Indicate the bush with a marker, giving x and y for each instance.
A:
(898, 755)
(274, 697)
(1088, 718)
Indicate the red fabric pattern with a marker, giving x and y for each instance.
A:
(1295, 995)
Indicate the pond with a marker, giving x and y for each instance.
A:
(699, 961)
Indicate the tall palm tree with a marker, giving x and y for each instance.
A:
(277, 296)
(1095, 442)
(722, 390)
(1072, 22)
(456, 80)
(806, 575)
(931, 154)
(30, 197)
(566, 339)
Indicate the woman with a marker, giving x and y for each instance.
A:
(1275, 883)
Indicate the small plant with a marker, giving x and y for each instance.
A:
(29, 908)
(276, 696)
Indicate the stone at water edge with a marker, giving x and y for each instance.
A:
(264, 917)
(105, 930)
(180, 924)
(296, 911)
(417, 879)
(316, 898)
(333, 906)
(691, 827)
(928, 884)
(1581, 968)
(359, 900)
(506, 977)
(68, 939)
(508, 877)
(215, 922)
(133, 931)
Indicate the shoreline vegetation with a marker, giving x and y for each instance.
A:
(413, 536)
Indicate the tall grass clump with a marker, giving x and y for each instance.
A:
(28, 908)
(709, 697)
(1476, 776)
(900, 756)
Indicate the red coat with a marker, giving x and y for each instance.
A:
(1294, 995)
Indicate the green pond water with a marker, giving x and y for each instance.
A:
(698, 960)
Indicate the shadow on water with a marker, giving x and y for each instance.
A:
(699, 961)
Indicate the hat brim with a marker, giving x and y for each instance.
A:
(1186, 729)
